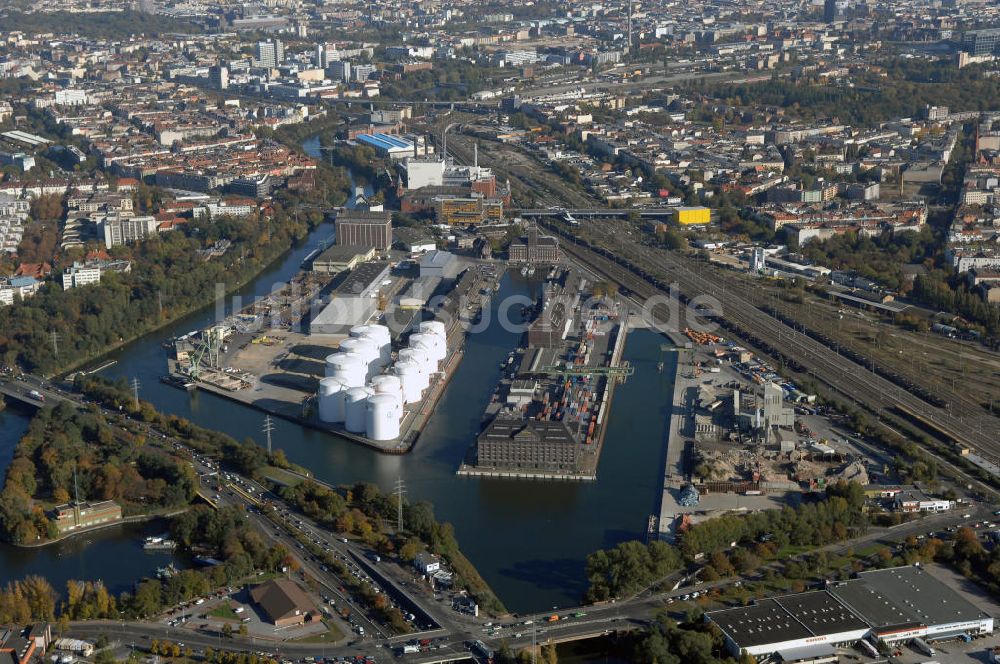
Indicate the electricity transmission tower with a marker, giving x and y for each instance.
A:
(400, 491)
(268, 428)
(135, 391)
(55, 342)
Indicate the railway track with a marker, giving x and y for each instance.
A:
(801, 352)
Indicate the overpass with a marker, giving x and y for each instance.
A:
(659, 213)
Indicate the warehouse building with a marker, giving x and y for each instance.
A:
(364, 228)
(906, 602)
(341, 258)
(518, 444)
(534, 248)
(354, 301)
(440, 264)
(888, 605)
(397, 147)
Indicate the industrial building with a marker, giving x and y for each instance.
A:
(440, 264)
(364, 228)
(353, 302)
(413, 240)
(74, 516)
(396, 147)
(520, 444)
(534, 248)
(889, 605)
(341, 258)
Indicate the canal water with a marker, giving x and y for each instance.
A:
(528, 539)
(114, 555)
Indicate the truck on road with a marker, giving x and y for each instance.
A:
(37, 396)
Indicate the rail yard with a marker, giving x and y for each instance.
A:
(651, 272)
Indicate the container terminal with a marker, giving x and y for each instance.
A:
(364, 354)
(547, 417)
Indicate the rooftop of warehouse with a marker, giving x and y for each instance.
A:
(436, 258)
(821, 613)
(797, 616)
(385, 140)
(764, 622)
(510, 428)
(361, 278)
(342, 252)
(905, 594)
(364, 216)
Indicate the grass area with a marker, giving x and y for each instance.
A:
(281, 476)
(793, 551)
(224, 611)
(869, 550)
(331, 635)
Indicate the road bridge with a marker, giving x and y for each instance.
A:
(659, 212)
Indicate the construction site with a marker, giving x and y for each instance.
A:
(548, 414)
(743, 438)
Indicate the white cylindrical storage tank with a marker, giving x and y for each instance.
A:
(330, 399)
(413, 378)
(432, 344)
(382, 416)
(420, 356)
(354, 409)
(348, 367)
(329, 366)
(388, 384)
(433, 327)
(380, 334)
(365, 347)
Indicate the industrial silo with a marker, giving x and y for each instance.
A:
(434, 345)
(382, 337)
(354, 409)
(420, 356)
(330, 399)
(433, 327)
(363, 346)
(388, 384)
(348, 367)
(382, 416)
(414, 380)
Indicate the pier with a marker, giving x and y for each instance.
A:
(673, 465)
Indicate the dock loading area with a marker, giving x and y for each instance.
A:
(277, 370)
(547, 417)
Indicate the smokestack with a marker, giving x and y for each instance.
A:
(475, 154)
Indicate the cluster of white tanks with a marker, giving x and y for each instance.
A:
(356, 392)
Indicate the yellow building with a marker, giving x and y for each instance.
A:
(691, 216)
